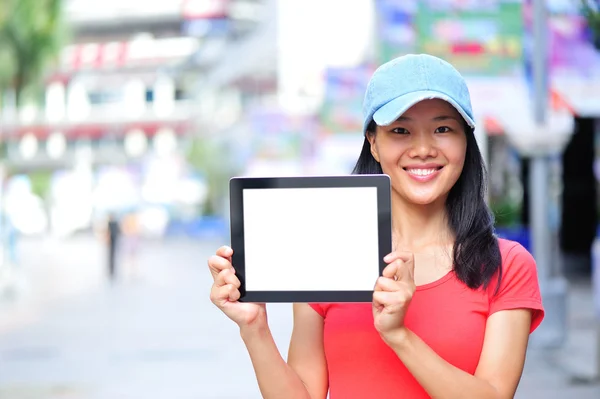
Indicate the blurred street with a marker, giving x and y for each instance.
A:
(156, 336)
(74, 335)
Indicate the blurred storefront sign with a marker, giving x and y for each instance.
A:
(573, 62)
(396, 33)
(341, 111)
(490, 42)
(140, 52)
(478, 37)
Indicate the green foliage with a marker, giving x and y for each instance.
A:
(32, 33)
(40, 182)
(590, 9)
(506, 213)
(212, 159)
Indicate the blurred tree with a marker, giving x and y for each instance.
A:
(507, 213)
(591, 11)
(32, 33)
(212, 158)
(40, 182)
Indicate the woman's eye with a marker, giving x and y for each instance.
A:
(399, 130)
(442, 129)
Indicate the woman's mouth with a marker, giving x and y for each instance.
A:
(423, 174)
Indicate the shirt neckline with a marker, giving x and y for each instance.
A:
(437, 282)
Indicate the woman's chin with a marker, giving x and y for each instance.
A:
(422, 201)
(422, 198)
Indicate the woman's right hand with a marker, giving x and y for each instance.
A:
(225, 292)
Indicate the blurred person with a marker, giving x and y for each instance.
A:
(452, 313)
(113, 233)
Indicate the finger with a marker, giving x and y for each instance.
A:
(408, 267)
(384, 298)
(221, 294)
(403, 255)
(392, 269)
(234, 293)
(387, 284)
(217, 263)
(400, 271)
(225, 252)
(227, 276)
(392, 299)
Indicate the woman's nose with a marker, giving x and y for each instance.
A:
(423, 146)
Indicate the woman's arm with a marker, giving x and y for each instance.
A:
(304, 376)
(499, 369)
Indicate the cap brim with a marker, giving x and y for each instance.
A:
(390, 112)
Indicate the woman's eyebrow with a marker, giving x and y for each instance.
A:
(436, 119)
(445, 118)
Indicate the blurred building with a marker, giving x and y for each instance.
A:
(122, 107)
(126, 82)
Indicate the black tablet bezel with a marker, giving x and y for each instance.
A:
(236, 188)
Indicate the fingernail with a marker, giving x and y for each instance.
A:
(387, 258)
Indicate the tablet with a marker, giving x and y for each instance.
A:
(309, 239)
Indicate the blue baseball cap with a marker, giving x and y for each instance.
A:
(402, 82)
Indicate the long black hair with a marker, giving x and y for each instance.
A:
(476, 254)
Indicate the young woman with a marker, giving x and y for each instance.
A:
(452, 314)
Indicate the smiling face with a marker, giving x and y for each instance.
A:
(423, 152)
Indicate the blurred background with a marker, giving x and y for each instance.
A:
(121, 122)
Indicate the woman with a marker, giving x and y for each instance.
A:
(452, 313)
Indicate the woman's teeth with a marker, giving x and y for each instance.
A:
(421, 172)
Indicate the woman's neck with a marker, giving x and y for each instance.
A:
(420, 228)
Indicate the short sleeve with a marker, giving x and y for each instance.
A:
(318, 308)
(519, 286)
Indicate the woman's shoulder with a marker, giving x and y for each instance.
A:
(510, 249)
(519, 268)
(519, 286)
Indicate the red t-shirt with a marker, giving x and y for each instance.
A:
(445, 314)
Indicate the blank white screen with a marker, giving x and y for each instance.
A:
(311, 239)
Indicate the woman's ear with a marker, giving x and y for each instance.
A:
(371, 137)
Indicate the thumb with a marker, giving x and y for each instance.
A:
(408, 267)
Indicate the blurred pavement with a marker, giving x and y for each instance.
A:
(73, 335)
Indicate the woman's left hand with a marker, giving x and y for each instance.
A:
(392, 295)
